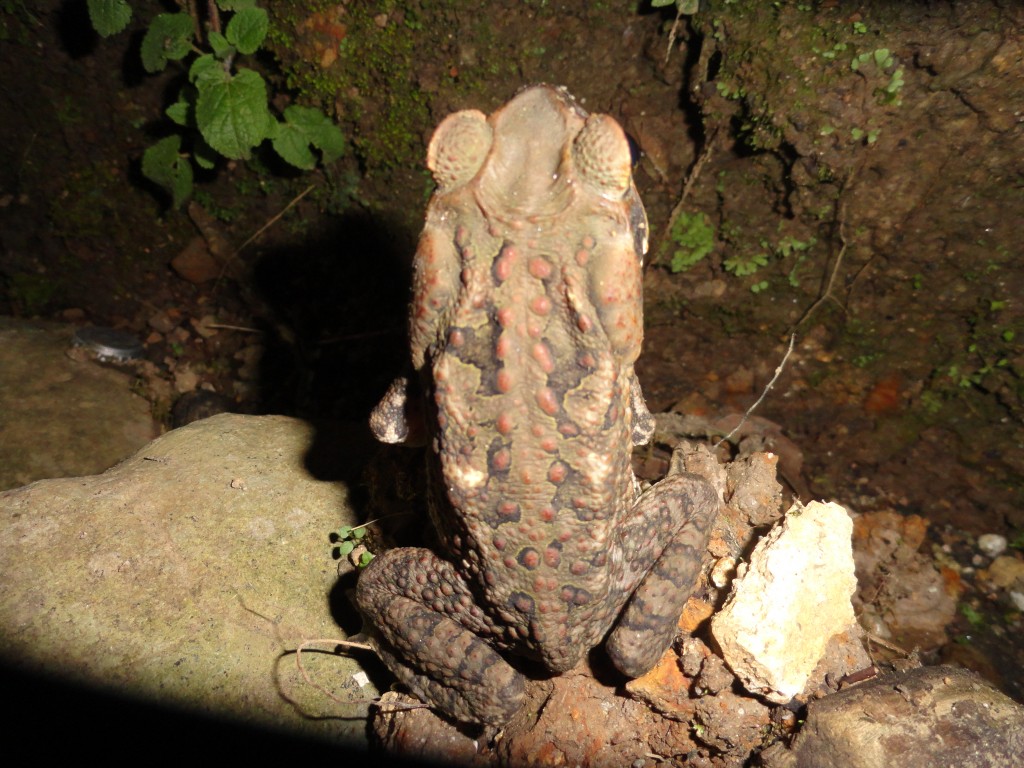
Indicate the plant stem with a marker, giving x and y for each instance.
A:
(213, 14)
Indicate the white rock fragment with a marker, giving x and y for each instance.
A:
(992, 544)
(789, 601)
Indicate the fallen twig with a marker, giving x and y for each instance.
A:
(764, 392)
(841, 222)
(277, 217)
(333, 641)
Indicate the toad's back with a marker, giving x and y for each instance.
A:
(526, 322)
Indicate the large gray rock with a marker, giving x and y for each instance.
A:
(186, 576)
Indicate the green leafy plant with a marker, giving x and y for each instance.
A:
(859, 134)
(882, 60)
(744, 264)
(693, 237)
(974, 617)
(345, 540)
(223, 110)
(790, 247)
(683, 7)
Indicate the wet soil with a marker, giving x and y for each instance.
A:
(869, 211)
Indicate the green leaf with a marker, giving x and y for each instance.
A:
(207, 68)
(661, 3)
(345, 548)
(293, 147)
(179, 111)
(305, 126)
(169, 38)
(247, 29)
(235, 5)
(163, 164)
(206, 157)
(109, 16)
(222, 49)
(694, 238)
(158, 159)
(232, 114)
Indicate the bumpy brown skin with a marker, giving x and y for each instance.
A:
(526, 320)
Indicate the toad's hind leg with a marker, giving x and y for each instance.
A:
(430, 637)
(670, 526)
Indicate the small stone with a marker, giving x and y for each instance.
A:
(1006, 572)
(195, 264)
(992, 544)
(162, 322)
(723, 571)
(185, 379)
(204, 326)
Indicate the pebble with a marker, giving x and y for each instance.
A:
(992, 544)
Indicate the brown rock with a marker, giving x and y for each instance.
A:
(918, 719)
(195, 264)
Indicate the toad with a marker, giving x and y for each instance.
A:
(525, 323)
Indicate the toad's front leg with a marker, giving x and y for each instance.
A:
(431, 637)
(664, 540)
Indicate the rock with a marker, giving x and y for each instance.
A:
(195, 264)
(992, 544)
(791, 599)
(163, 322)
(918, 719)
(187, 576)
(753, 489)
(62, 415)
(198, 404)
(1006, 572)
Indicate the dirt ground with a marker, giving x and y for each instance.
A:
(846, 177)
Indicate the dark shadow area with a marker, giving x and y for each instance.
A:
(692, 81)
(59, 720)
(335, 333)
(75, 30)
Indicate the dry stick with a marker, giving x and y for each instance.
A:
(395, 706)
(825, 294)
(841, 221)
(764, 392)
(274, 219)
(887, 644)
(673, 33)
(269, 223)
(332, 641)
(213, 14)
(226, 327)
